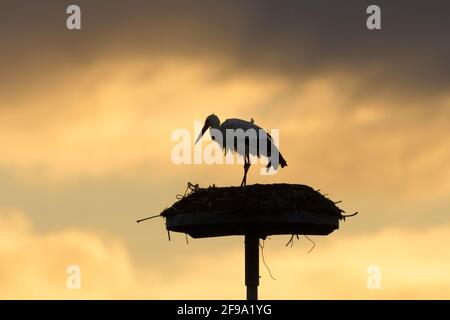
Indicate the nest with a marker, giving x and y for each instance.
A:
(254, 199)
(262, 210)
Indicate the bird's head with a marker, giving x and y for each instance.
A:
(212, 121)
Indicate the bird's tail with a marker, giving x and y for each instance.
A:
(281, 161)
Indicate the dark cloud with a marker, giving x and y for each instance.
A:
(292, 38)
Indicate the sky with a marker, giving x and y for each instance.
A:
(86, 118)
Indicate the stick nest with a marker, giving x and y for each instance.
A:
(254, 199)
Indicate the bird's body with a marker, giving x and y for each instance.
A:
(246, 138)
(260, 139)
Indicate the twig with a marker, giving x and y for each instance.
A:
(343, 216)
(264, 260)
(314, 244)
(190, 187)
(155, 216)
(187, 240)
(291, 241)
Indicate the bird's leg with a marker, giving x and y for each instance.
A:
(244, 180)
(246, 167)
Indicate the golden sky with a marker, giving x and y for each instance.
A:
(86, 119)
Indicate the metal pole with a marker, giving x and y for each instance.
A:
(252, 266)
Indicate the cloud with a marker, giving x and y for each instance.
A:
(362, 115)
(101, 121)
(297, 39)
(33, 266)
(117, 119)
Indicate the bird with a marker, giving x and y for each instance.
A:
(248, 139)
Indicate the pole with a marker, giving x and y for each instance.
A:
(252, 266)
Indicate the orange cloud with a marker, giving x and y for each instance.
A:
(99, 122)
(33, 265)
(116, 118)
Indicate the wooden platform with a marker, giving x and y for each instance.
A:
(260, 210)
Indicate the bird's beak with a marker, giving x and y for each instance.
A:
(205, 127)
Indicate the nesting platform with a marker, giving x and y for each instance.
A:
(261, 210)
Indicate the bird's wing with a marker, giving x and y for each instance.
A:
(235, 124)
(239, 124)
(270, 148)
(255, 141)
